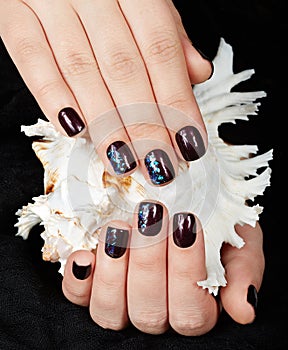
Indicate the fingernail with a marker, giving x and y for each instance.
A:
(70, 121)
(190, 143)
(207, 59)
(150, 218)
(159, 166)
(116, 242)
(81, 272)
(121, 157)
(184, 229)
(252, 296)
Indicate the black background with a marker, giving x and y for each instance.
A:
(33, 312)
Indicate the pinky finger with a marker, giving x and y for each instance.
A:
(26, 43)
(199, 66)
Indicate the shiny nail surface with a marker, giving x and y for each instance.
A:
(116, 242)
(81, 272)
(190, 143)
(159, 166)
(150, 217)
(121, 157)
(70, 121)
(252, 296)
(184, 229)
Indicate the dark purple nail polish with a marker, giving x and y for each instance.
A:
(159, 166)
(81, 272)
(252, 296)
(150, 218)
(190, 143)
(121, 157)
(70, 121)
(184, 229)
(116, 242)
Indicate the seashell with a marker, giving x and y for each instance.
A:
(79, 200)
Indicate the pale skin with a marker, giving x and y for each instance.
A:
(98, 55)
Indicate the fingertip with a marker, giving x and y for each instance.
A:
(77, 279)
(240, 304)
(200, 67)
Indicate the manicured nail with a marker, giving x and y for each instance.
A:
(150, 218)
(207, 59)
(159, 166)
(70, 121)
(121, 157)
(184, 229)
(252, 297)
(81, 272)
(116, 242)
(190, 143)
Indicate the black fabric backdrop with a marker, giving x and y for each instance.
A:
(34, 314)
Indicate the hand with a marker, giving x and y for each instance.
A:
(84, 60)
(153, 282)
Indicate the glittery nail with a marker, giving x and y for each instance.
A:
(121, 157)
(70, 121)
(116, 242)
(190, 143)
(150, 218)
(184, 229)
(159, 166)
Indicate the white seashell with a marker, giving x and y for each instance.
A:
(78, 200)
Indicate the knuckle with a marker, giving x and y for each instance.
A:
(164, 47)
(152, 323)
(115, 325)
(45, 88)
(109, 284)
(76, 296)
(144, 130)
(27, 49)
(154, 265)
(121, 65)
(190, 324)
(107, 301)
(188, 327)
(179, 101)
(78, 63)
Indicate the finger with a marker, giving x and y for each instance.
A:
(80, 71)
(125, 76)
(200, 67)
(108, 306)
(147, 285)
(155, 31)
(26, 43)
(192, 310)
(244, 272)
(78, 275)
